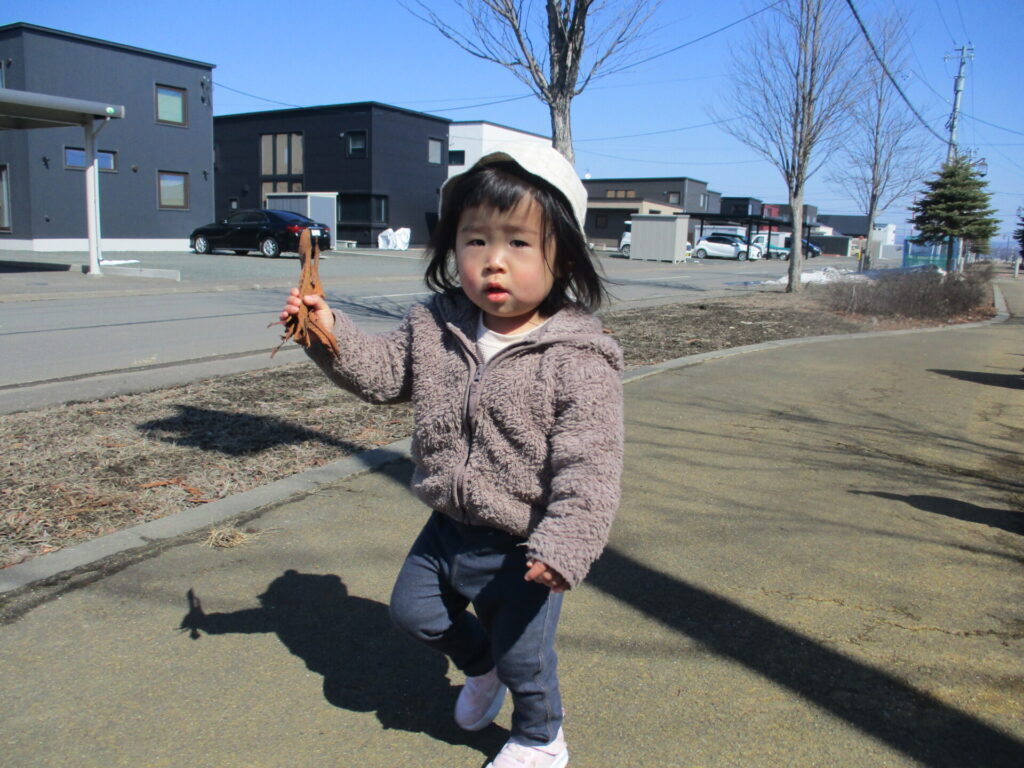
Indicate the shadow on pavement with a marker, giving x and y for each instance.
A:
(1011, 380)
(958, 510)
(32, 266)
(367, 665)
(910, 721)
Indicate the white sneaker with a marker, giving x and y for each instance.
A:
(516, 755)
(479, 701)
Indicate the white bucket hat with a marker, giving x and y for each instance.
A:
(540, 160)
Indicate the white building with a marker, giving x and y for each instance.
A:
(471, 140)
(884, 233)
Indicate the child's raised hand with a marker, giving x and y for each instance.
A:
(322, 312)
(546, 575)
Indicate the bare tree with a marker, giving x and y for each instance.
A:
(882, 159)
(581, 38)
(791, 103)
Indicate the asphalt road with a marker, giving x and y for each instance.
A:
(66, 336)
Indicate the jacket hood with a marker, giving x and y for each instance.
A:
(570, 325)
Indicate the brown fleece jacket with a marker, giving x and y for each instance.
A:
(530, 443)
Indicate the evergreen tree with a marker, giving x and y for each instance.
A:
(956, 205)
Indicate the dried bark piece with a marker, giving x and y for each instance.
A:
(302, 327)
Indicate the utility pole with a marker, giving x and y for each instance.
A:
(966, 52)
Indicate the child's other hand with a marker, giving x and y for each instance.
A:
(546, 575)
(323, 314)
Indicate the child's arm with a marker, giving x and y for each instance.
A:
(586, 461)
(373, 366)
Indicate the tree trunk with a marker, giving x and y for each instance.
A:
(561, 128)
(796, 251)
(865, 257)
(949, 256)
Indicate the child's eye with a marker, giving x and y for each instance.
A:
(475, 241)
(520, 244)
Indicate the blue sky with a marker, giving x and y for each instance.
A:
(638, 122)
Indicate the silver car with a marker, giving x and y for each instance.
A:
(726, 247)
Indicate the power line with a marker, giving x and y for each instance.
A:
(960, 12)
(254, 96)
(885, 68)
(943, 17)
(655, 133)
(993, 125)
(692, 42)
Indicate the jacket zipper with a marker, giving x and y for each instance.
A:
(472, 405)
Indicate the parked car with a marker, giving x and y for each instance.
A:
(726, 247)
(625, 243)
(268, 231)
(810, 250)
(774, 250)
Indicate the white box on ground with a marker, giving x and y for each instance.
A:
(659, 237)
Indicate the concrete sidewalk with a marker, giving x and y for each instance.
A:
(817, 562)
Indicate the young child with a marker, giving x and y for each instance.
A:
(518, 437)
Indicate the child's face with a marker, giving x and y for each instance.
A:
(505, 264)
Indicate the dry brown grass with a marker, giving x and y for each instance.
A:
(73, 472)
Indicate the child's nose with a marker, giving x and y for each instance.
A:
(495, 259)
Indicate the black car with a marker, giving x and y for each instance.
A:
(269, 232)
(810, 250)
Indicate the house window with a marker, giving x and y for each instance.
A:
(172, 190)
(673, 198)
(5, 200)
(356, 143)
(601, 221)
(74, 158)
(703, 201)
(362, 209)
(434, 147)
(171, 105)
(281, 154)
(457, 157)
(620, 193)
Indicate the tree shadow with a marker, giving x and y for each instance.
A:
(959, 510)
(235, 434)
(913, 722)
(1009, 380)
(367, 665)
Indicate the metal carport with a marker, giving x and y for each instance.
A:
(25, 110)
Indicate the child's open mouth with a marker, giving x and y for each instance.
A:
(496, 293)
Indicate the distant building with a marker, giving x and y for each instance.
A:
(613, 201)
(783, 211)
(387, 164)
(468, 141)
(156, 179)
(851, 226)
(741, 206)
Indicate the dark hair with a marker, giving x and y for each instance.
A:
(502, 186)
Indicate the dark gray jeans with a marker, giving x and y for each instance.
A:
(452, 565)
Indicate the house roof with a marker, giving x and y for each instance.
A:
(351, 107)
(21, 25)
(643, 179)
(499, 125)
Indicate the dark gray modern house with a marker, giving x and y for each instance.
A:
(387, 164)
(156, 180)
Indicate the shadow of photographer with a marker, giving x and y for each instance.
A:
(367, 665)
